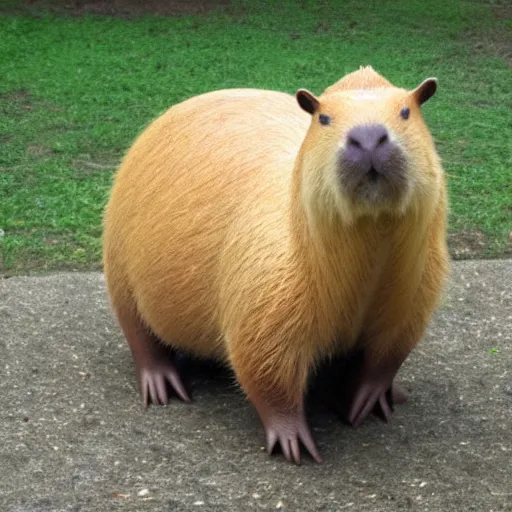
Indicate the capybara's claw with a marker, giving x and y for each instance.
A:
(375, 396)
(289, 430)
(153, 382)
(384, 406)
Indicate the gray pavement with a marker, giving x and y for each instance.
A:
(74, 437)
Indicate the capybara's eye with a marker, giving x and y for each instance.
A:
(404, 113)
(324, 119)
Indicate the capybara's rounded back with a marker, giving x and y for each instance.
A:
(192, 172)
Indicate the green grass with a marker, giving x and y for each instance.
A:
(75, 92)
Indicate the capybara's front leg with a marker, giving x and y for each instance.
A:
(275, 383)
(153, 361)
(286, 425)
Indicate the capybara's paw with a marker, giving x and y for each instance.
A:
(377, 396)
(367, 397)
(154, 381)
(289, 430)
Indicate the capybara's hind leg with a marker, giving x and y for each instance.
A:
(345, 381)
(374, 389)
(153, 361)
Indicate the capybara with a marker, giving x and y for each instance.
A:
(274, 232)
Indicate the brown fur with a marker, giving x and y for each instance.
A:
(228, 234)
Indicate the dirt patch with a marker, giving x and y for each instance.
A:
(18, 101)
(471, 244)
(38, 151)
(18, 95)
(14, 103)
(503, 12)
(476, 244)
(499, 40)
(498, 43)
(501, 9)
(123, 8)
(85, 166)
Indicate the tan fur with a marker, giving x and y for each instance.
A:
(228, 233)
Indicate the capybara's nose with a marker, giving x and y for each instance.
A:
(367, 136)
(368, 147)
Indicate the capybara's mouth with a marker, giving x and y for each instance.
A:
(372, 175)
(375, 189)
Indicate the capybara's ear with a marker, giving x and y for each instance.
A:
(425, 90)
(307, 100)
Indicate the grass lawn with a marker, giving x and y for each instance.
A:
(76, 90)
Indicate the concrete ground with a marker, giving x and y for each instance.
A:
(74, 437)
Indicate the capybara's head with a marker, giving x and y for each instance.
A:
(368, 149)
